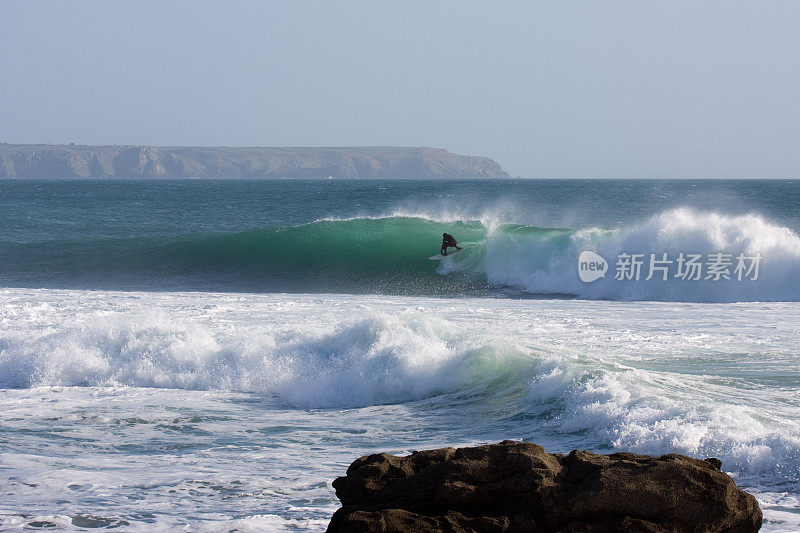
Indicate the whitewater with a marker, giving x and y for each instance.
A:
(166, 409)
(205, 356)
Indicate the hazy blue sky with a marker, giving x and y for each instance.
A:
(548, 89)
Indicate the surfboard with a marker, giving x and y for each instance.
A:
(449, 254)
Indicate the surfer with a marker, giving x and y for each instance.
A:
(447, 242)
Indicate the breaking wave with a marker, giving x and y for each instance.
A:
(388, 255)
(579, 399)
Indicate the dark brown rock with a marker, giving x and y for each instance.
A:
(514, 486)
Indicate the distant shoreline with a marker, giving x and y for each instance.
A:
(32, 161)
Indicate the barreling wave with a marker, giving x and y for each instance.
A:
(388, 255)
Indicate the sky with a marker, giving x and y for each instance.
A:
(557, 89)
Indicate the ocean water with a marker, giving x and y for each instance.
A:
(209, 356)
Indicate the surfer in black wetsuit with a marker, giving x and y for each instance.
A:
(447, 242)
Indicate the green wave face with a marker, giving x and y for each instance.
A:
(360, 255)
(390, 256)
(380, 255)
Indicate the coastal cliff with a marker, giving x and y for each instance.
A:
(517, 486)
(75, 161)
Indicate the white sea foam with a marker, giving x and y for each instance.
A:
(376, 359)
(702, 379)
(547, 263)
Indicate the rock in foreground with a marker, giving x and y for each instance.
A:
(514, 486)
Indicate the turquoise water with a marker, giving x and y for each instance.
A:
(210, 355)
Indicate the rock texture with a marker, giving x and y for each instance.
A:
(513, 486)
(71, 161)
